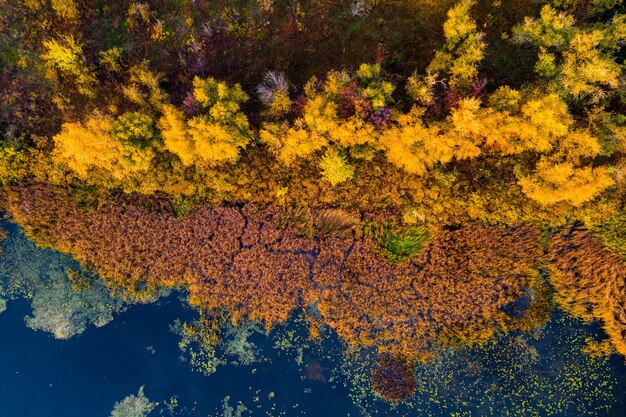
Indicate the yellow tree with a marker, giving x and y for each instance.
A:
(554, 182)
(463, 49)
(335, 168)
(143, 87)
(291, 142)
(216, 135)
(176, 138)
(339, 115)
(577, 61)
(65, 56)
(415, 148)
(85, 146)
(65, 9)
(135, 135)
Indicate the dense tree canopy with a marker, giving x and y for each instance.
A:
(449, 138)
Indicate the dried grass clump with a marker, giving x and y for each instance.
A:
(333, 222)
(590, 281)
(297, 219)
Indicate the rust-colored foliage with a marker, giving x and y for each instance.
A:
(590, 282)
(243, 261)
(393, 378)
(458, 284)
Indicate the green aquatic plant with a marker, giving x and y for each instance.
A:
(531, 374)
(212, 341)
(237, 343)
(199, 341)
(398, 243)
(230, 411)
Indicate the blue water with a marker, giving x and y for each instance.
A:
(540, 374)
(86, 375)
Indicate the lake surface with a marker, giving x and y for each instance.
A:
(108, 349)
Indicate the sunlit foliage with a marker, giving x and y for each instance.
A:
(157, 100)
(65, 55)
(84, 146)
(577, 61)
(552, 183)
(335, 169)
(141, 111)
(214, 136)
(463, 49)
(274, 93)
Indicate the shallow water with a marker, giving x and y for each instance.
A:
(539, 374)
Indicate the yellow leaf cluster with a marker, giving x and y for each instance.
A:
(335, 168)
(65, 9)
(414, 147)
(213, 142)
(291, 143)
(200, 138)
(556, 182)
(585, 70)
(464, 47)
(65, 55)
(280, 105)
(536, 126)
(83, 146)
(577, 61)
(143, 87)
(175, 136)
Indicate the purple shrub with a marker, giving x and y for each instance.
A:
(478, 87)
(298, 104)
(381, 117)
(190, 106)
(272, 82)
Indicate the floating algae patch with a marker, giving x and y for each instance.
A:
(541, 373)
(212, 342)
(133, 406)
(64, 299)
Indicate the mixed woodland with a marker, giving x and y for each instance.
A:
(413, 175)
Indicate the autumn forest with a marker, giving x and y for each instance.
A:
(412, 176)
